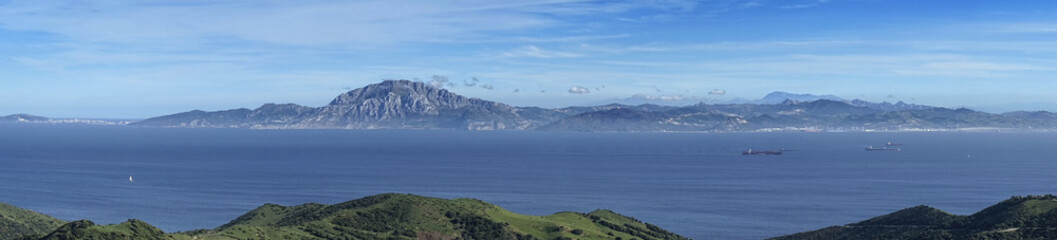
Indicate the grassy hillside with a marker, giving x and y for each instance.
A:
(84, 229)
(1031, 217)
(16, 223)
(389, 216)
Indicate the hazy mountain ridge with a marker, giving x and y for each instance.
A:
(383, 216)
(1030, 217)
(794, 115)
(28, 118)
(403, 104)
(780, 96)
(389, 104)
(22, 117)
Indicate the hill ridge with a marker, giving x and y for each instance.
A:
(1019, 217)
(385, 216)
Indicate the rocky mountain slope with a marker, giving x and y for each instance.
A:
(390, 104)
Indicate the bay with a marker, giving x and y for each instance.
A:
(695, 184)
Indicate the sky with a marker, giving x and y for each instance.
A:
(139, 59)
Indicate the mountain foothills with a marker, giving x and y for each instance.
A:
(384, 216)
(1030, 217)
(403, 104)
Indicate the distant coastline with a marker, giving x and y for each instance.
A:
(404, 104)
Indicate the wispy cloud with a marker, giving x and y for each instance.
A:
(259, 51)
(1023, 28)
(971, 69)
(661, 98)
(537, 52)
(815, 3)
(313, 23)
(438, 81)
(564, 39)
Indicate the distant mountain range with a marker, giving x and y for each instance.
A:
(403, 104)
(1030, 217)
(22, 117)
(27, 118)
(383, 216)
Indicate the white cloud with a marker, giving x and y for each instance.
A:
(806, 5)
(310, 23)
(536, 52)
(301, 23)
(438, 81)
(969, 69)
(717, 92)
(579, 90)
(563, 39)
(471, 83)
(1023, 28)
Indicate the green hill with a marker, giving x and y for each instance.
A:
(84, 229)
(18, 223)
(1030, 217)
(389, 216)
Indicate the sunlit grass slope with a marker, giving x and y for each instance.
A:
(17, 223)
(389, 216)
(1031, 217)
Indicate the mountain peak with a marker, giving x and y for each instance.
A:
(386, 89)
(779, 97)
(410, 104)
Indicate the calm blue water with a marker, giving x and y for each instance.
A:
(695, 184)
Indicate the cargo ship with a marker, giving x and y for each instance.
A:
(871, 148)
(761, 152)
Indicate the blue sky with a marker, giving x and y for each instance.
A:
(129, 59)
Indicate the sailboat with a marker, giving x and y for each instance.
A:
(129, 178)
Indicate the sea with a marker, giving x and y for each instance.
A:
(694, 184)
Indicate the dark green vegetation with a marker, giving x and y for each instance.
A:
(16, 223)
(385, 216)
(1031, 217)
(84, 229)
